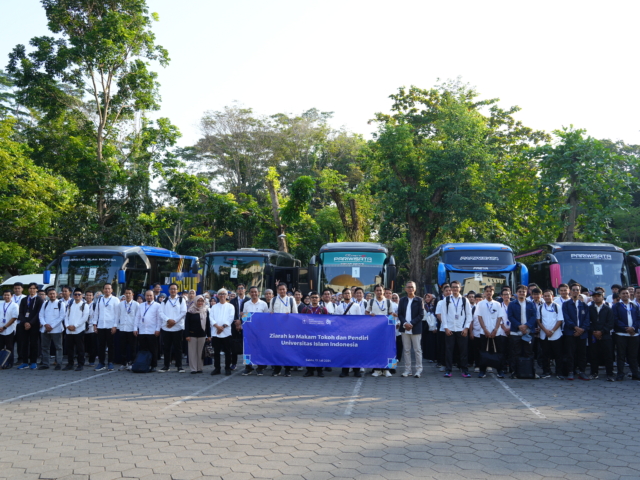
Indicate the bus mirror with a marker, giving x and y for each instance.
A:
(46, 277)
(313, 260)
(312, 274)
(194, 268)
(524, 274)
(122, 277)
(442, 274)
(392, 273)
(637, 274)
(556, 275)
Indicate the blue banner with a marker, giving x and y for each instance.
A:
(300, 340)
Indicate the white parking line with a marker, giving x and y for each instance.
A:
(354, 397)
(522, 400)
(53, 388)
(202, 390)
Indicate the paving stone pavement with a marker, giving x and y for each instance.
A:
(182, 426)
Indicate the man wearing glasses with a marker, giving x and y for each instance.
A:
(314, 309)
(410, 313)
(456, 318)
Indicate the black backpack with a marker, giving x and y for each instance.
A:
(464, 306)
(388, 306)
(291, 300)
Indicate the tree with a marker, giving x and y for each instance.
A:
(585, 183)
(31, 202)
(101, 57)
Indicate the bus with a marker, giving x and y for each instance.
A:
(351, 264)
(589, 264)
(260, 267)
(136, 267)
(474, 265)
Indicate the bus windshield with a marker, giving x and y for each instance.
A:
(89, 272)
(476, 281)
(351, 269)
(479, 259)
(227, 271)
(592, 269)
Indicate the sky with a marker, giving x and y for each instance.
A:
(563, 62)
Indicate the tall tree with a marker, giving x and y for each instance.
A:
(102, 50)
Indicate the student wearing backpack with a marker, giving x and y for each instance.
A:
(456, 320)
(382, 306)
(104, 323)
(348, 307)
(282, 304)
(314, 309)
(90, 336)
(600, 342)
(254, 305)
(127, 313)
(51, 318)
(490, 319)
(8, 324)
(147, 327)
(549, 318)
(576, 329)
(174, 309)
(75, 322)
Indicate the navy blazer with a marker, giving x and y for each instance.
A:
(515, 314)
(417, 312)
(601, 322)
(620, 319)
(571, 316)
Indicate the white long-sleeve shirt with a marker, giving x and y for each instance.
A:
(456, 318)
(106, 313)
(52, 314)
(222, 314)
(77, 315)
(258, 307)
(330, 306)
(149, 319)
(127, 313)
(353, 310)
(491, 313)
(9, 311)
(174, 309)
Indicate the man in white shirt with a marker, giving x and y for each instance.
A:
(221, 316)
(549, 318)
(51, 318)
(66, 295)
(456, 319)
(490, 317)
(147, 326)
(327, 302)
(90, 336)
(359, 298)
(8, 325)
(105, 319)
(268, 296)
(348, 307)
(382, 306)
(127, 313)
(255, 305)
(441, 337)
(75, 322)
(282, 304)
(563, 294)
(175, 311)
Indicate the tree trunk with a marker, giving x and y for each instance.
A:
(275, 211)
(417, 233)
(355, 222)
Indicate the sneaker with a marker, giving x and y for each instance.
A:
(387, 373)
(513, 376)
(43, 367)
(417, 375)
(68, 367)
(111, 367)
(307, 374)
(275, 373)
(260, 372)
(620, 378)
(545, 375)
(406, 374)
(122, 368)
(442, 369)
(466, 375)
(447, 374)
(33, 366)
(287, 373)
(23, 366)
(392, 370)
(482, 375)
(233, 366)
(500, 375)
(376, 373)
(594, 376)
(342, 374)
(560, 377)
(227, 372)
(152, 370)
(79, 368)
(247, 371)
(570, 376)
(610, 378)
(357, 373)
(320, 373)
(92, 365)
(180, 370)
(582, 376)
(477, 370)
(193, 372)
(163, 370)
(489, 370)
(216, 371)
(129, 367)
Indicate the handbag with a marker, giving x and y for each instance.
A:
(208, 350)
(491, 359)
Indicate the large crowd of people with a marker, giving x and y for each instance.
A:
(512, 335)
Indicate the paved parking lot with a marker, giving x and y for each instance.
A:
(101, 426)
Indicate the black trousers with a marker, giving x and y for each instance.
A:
(6, 341)
(91, 345)
(627, 350)
(518, 348)
(127, 346)
(463, 347)
(75, 343)
(105, 341)
(500, 348)
(150, 344)
(601, 349)
(221, 345)
(169, 340)
(575, 350)
(314, 369)
(399, 347)
(552, 348)
(30, 339)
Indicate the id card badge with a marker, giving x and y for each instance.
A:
(26, 315)
(457, 317)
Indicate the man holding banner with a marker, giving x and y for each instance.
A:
(285, 305)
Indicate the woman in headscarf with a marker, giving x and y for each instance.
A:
(197, 331)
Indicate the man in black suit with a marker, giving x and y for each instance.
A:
(600, 342)
(236, 333)
(410, 313)
(29, 327)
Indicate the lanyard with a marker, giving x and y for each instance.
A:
(106, 304)
(316, 310)
(146, 307)
(29, 300)
(455, 304)
(129, 307)
(286, 304)
(490, 307)
(173, 304)
(381, 307)
(8, 304)
(16, 299)
(550, 310)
